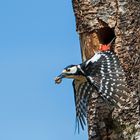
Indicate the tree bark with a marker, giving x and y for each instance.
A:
(98, 22)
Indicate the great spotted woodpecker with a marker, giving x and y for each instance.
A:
(103, 73)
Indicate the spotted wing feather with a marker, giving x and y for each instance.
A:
(82, 90)
(111, 79)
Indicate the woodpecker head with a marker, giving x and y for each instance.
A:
(71, 71)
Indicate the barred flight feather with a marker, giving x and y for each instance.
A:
(111, 83)
(82, 90)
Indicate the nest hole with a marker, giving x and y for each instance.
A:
(106, 35)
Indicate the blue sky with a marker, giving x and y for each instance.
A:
(37, 39)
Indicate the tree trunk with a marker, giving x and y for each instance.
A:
(98, 22)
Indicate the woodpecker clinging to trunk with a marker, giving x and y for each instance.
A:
(102, 73)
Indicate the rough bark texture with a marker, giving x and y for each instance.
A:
(98, 22)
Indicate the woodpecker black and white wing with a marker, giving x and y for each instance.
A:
(114, 89)
(82, 90)
(107, 75)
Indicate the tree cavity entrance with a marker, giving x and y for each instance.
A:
(105, 35)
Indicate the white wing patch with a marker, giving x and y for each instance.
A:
(95, 58)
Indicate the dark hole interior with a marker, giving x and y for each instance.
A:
(106, 35)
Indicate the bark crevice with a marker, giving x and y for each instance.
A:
(98, 22)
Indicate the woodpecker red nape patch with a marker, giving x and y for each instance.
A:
(104, 48)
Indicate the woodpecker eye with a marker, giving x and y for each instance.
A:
(68, 70)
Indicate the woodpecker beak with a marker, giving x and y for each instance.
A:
(59, 78)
